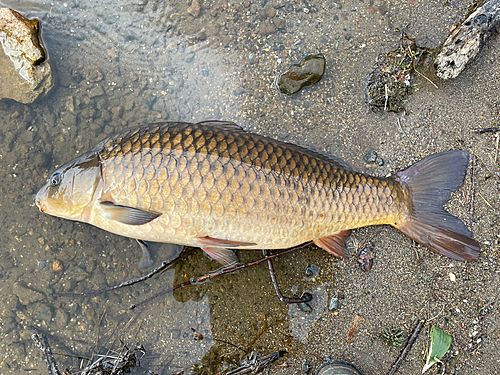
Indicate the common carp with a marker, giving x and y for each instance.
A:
(215, 186)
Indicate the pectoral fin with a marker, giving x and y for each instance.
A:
(127, 215)
(334, 244)
(221, 255)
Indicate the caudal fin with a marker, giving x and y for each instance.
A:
(431, 182)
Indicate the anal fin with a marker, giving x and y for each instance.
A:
(334, 244)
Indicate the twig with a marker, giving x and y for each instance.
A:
(473, 190)
(257, 364)
(158, 269)
(306, 297)
(496, 151)
(224, 272)
(486, 130)
(386, 97)
(485, 201)
(407, 348)
(41, 341)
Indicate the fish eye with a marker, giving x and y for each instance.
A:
(55, 179)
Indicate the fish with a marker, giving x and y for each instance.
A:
(215, 186)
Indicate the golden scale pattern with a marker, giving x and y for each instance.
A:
(224, 182)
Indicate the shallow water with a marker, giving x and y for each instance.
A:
(121, 63)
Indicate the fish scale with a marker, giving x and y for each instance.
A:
(216, 186)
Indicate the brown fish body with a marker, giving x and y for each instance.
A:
(215, 186)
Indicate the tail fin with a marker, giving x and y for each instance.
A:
(431, 182)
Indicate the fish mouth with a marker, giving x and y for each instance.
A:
(40, 205)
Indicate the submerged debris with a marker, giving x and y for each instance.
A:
(306, 72)
(391, 80)
(112, 363)
(41, 342)
(253, 364)
(466, 40)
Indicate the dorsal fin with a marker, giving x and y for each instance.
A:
(227, 125)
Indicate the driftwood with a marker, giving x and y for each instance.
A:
(466, 40)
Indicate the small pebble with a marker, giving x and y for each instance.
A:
(305, 307)
(312, 270)
(371, 156)
(334, 303)
(41, 240)
(42, 264)
(57, 266)
(306, 368)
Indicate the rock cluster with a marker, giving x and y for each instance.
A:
(25, 71)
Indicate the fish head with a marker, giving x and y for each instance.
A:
(70, 190)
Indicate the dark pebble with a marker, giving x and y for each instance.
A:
(238, 92)
(380, 162)
(305, 307)
(312, 270)
(306, 72)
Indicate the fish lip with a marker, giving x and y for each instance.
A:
(40, 205)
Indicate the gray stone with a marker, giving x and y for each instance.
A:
(26, 295)
(61, 318)
(270, 10)
(96, 91)
(93, 75)
(117, 112)
(266, 28)
(194, 9)
(41, 311)
(129, 103)
(68, 119)
(26, 74)
(279, 22)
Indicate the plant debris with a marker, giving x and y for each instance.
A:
(392, 336)
(440, 343)
(391, 80)
(353, 331)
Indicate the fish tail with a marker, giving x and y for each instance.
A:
(430, 183)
